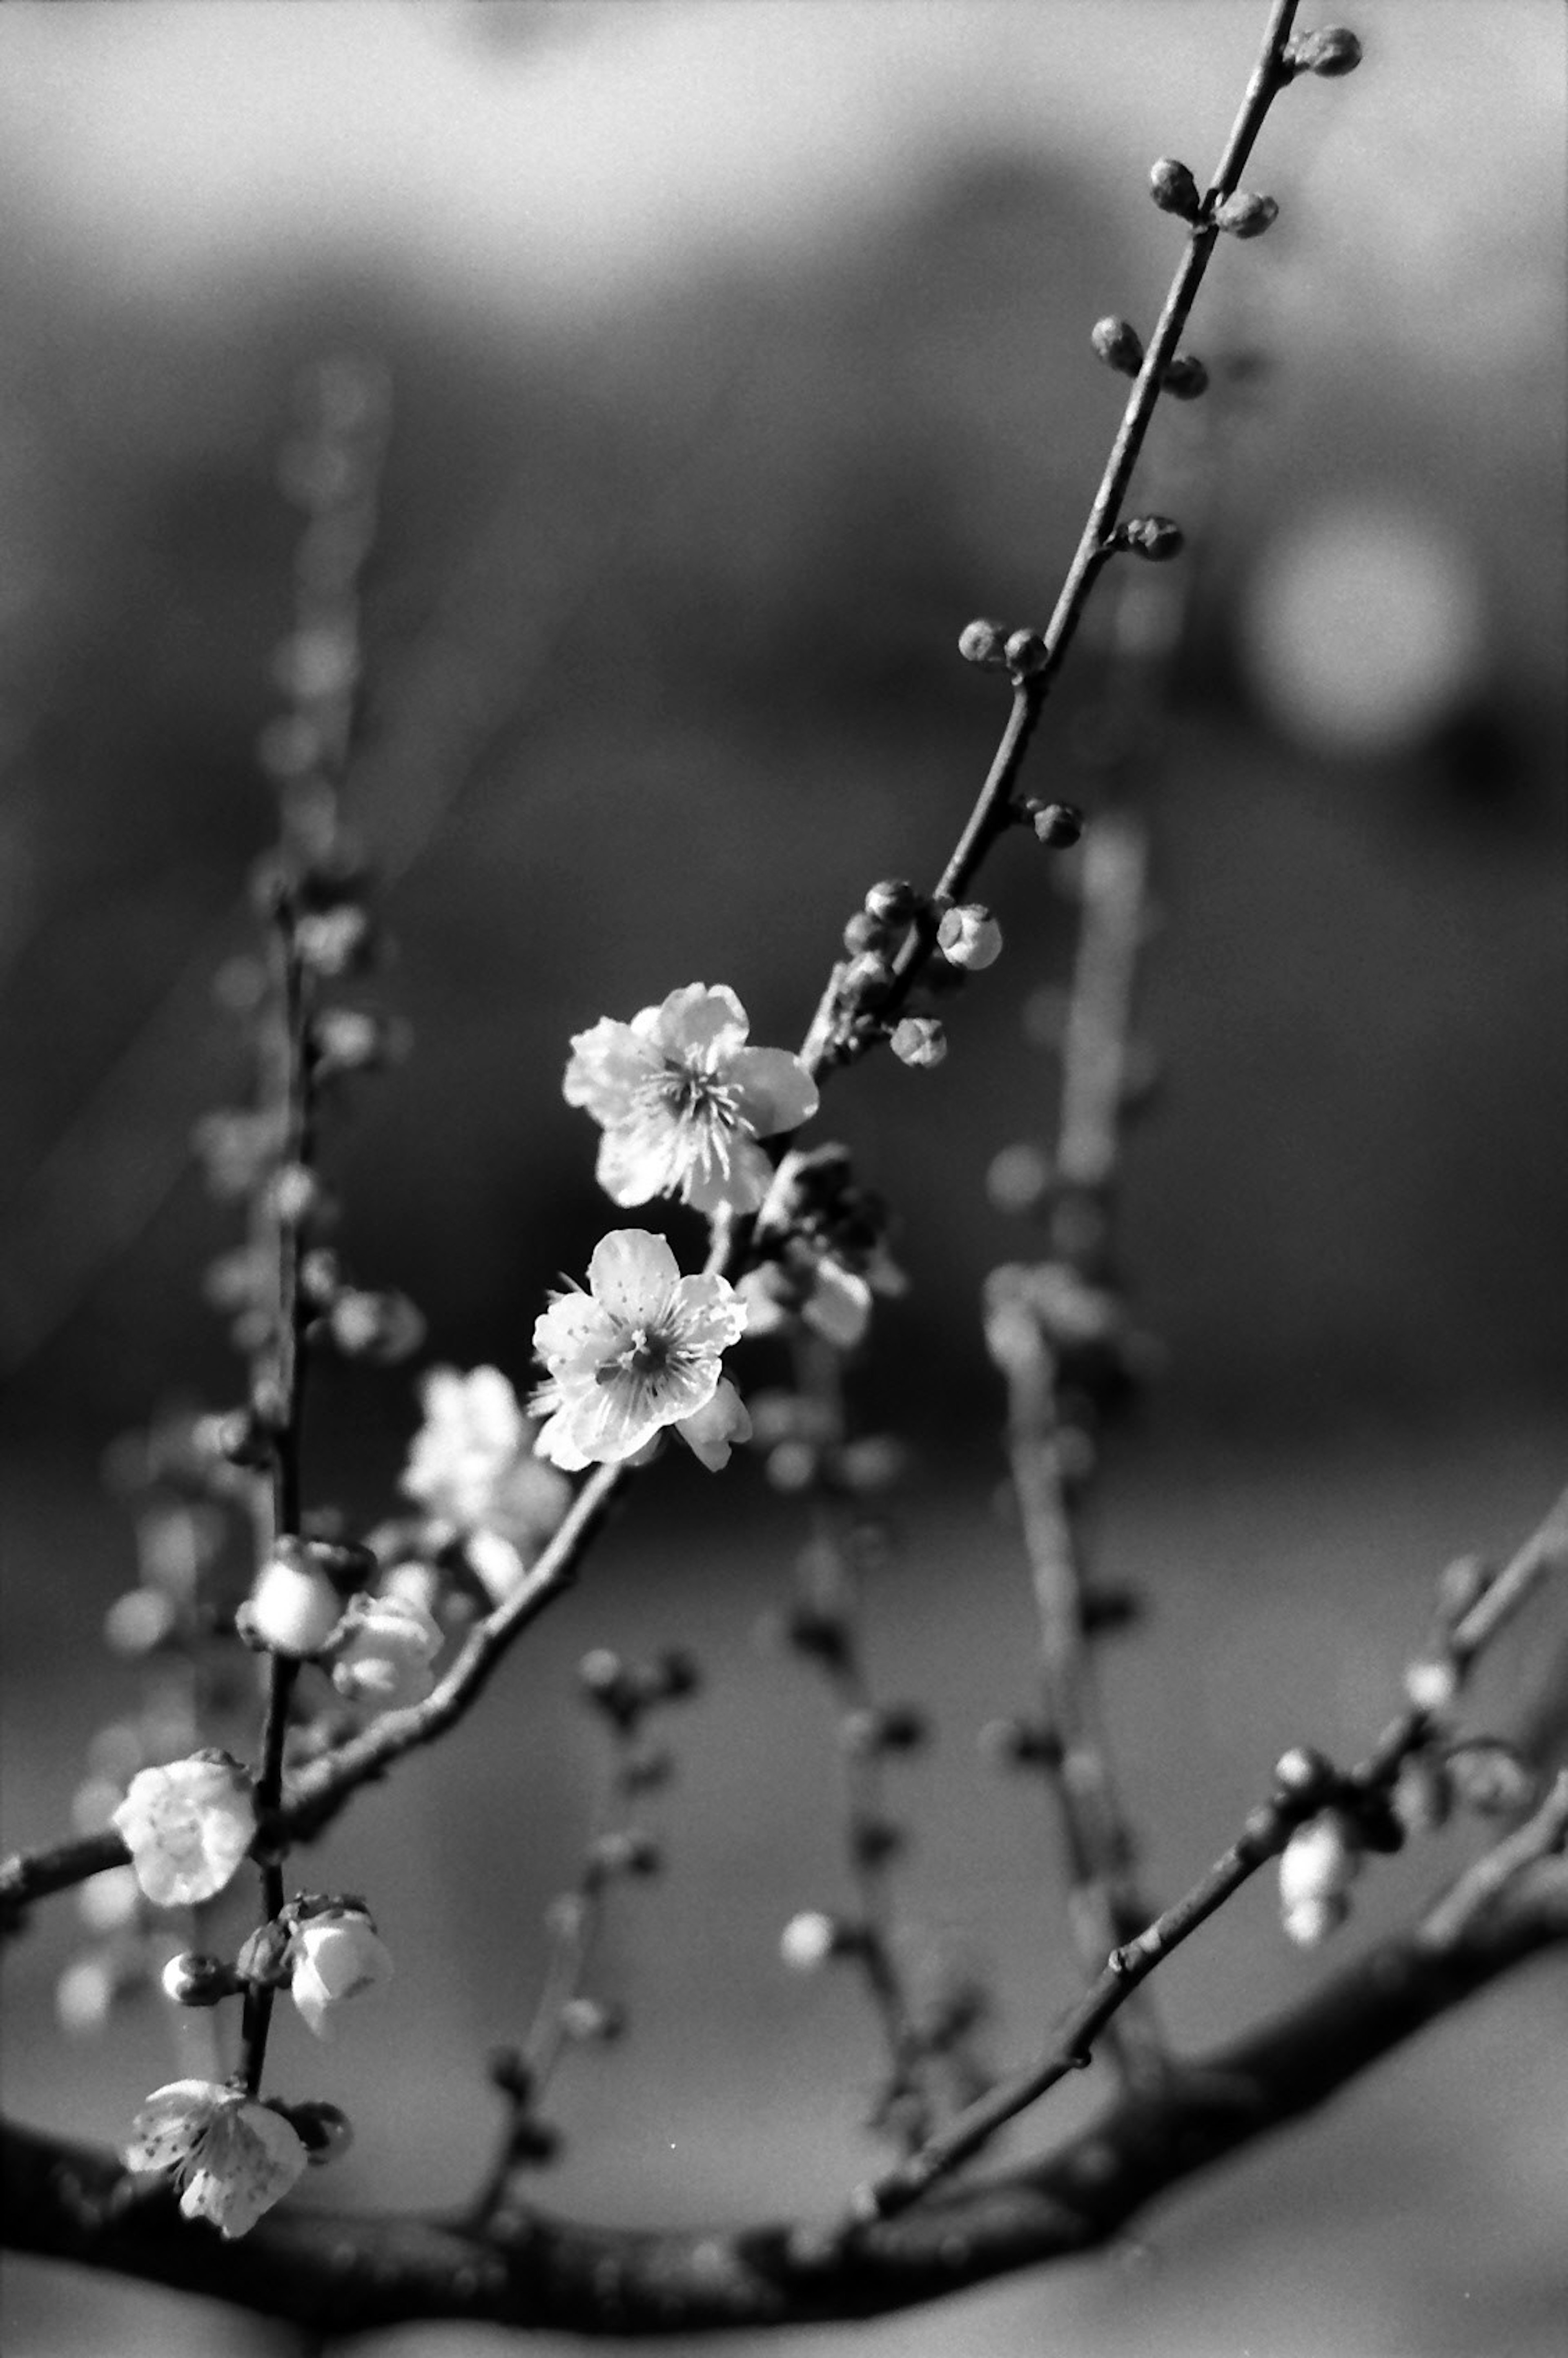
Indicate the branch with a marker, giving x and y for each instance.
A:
(341, 2274)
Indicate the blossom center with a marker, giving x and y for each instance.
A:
(641, 1354)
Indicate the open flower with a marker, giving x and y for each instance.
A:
(640, 1350)
(682, 1101)
(384, 1654)
(232, 2158)
(187, 1826)
(335, 1954)
(474, 1469)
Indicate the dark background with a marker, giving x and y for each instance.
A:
(739, 356)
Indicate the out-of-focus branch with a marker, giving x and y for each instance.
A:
(337, 2273)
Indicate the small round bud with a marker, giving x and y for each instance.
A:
(984, 642)
(894, 902)
(192, 1980)
(865, 932)
(587, 2022)
(1173, 188)
(293, 1193)
(348, 1040)
(969, 937)
(293, 1607)
(919, 1040)
(1185, 377)
(382, 1328)
(867, 978)
(1423, 1797)
(265, 1957)
(1025, 653)
(1246, 214)
(1155, 539)
(809, 1939)
(1118, 345)
(1431, 1687)
(1331, 52)
(1303, 1774)
(1057, 826)
(322, 2129)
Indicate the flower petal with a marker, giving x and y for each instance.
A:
(707, 1312)
(251, 2159)
(776, 1090)
(712, 1432)
(637, 1163)
(742, 1188)
(606, 1065)
(171, 2125)
(634, 1272)
(695, 1022)
(839, 1304)
(573, 1336)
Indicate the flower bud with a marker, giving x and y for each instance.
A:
(384, 1655)
(589, 2023)
(1185, 377)
(187, 1826)
(867, 978)
(969, 937)
(1118, 345)
(293, 1607)
(983, 642)
(381, 1328)
(192, 1980)
(1155, 539)
(1173, 188)
(893, 901)
(1025, 653)
(1431, 1687)
(1490, 1777)
(1317, 1867)
(1332, 51)
(1246, 214)
(864, 932)
(1057, 826)
(809, 1939)
(335, 1955)
(348, 1040)
(919, 1040)
(1303, 1774)
(322, 2129)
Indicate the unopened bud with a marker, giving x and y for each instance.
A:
(1432, 1687)
(919, 1040)
(293, 1607)
(1490, 1777)
(864, 932)
(866, 978)
(348, 1040)
(894, 901)
(381, 1328)
(1332, 51)
(1155, 539)
(1185, 377)
(1246, 214)
(589, 2023)
(1026, 653)
(322, 2129)
(1057, 826)
(1118, 345)
(1302, 1774)
(969, 937)
(192, 1980)
(984, 642)
(809, 1939)
(1173, 188)
(1317, 1867)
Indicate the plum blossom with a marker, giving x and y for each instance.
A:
(187, 1826)
(232, 2158)
(641, 1350)
(474, 1469)
(682, 1101)
(335, 1954)
(385, 1651)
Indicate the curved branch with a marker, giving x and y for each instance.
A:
(336, 2272)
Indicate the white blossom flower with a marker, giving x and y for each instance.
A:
(682, 1101)
(1317, 1868)
(639, 1350)
(384, 1655)
(187, 1826)
(474, 1469)
(334, 1955)
(232, 2157)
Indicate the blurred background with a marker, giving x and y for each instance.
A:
(738, 355)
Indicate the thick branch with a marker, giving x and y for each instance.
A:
(335, 2273)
